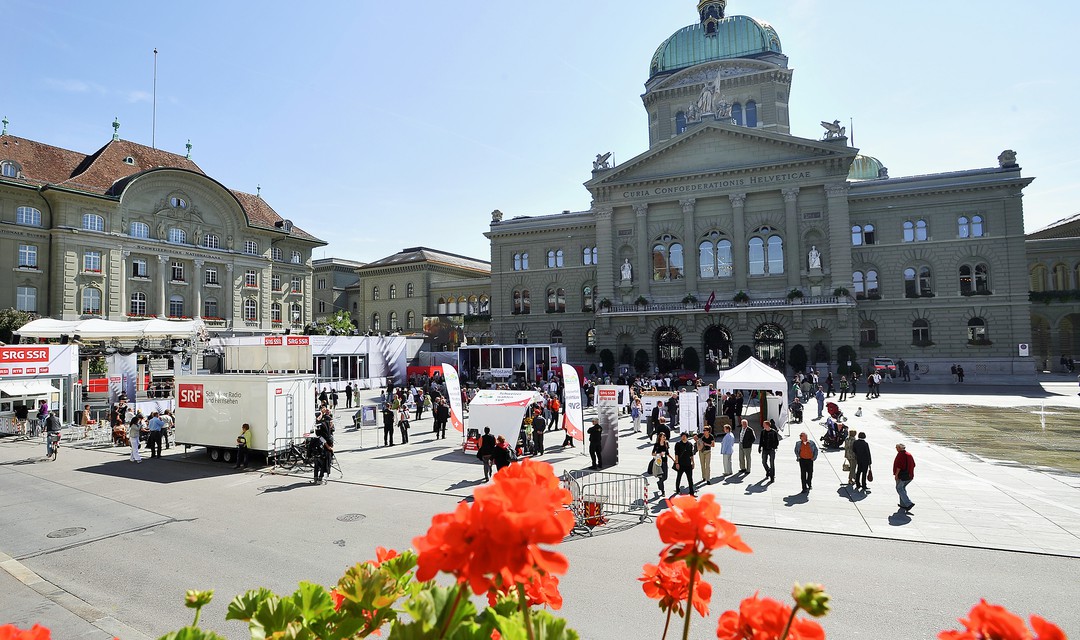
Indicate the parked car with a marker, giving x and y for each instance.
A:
(684, 376)
(884, 366)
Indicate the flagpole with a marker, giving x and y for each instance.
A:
(153, 127)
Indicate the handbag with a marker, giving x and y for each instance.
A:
(847, 466)
(870, 475)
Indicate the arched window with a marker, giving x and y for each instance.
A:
(680, 122)
(140, 230)
(963, 227)
(177, 236)
(556, 300)
(587, 302)
(375, 293)
(590, 338)
(872, 290)
(392, 292)
(521, 337)
(917, 283)
(920, 332)
(251, 247)
(862, 234)
(909, 231)
(589, 255)
(93, 222)
(922, 231)
(736, 113)
(297, 258)
(521, 302)
(485, 306)
(275, 312)
(974, 279)
(251, 311)
(176, 306)
(757, 256)
(556, 337)
(977, 228)
(91, 301)
(410, 320)
(774, 249)
(714, 256)
(856, 235)
(393, 321)
(858, 282)
(1060, 279)
(521, 261)
(28, 216)
(296, 312)
(409, 291)
(766, 253)
(555, 258)
(1038, 278)
(474, 306)
(375, 324)
(751, 113)
(9, 170)
(867, 333)
(667, 258)
(211, 241)
(451, 304)
(976, 331)
(441, 306)
(277, 255)
(138, 304)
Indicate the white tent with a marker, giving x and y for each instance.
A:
(755, 374)
(500, 410)
(96, 329)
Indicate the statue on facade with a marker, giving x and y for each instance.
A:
(601, 161)
(705, 101)
(627, 270)
(814, 257)
(833, 130)
(496, 216)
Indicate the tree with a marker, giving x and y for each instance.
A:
(339, 324)
(844, 355)
(798, 358)
(641, 361)
(690, 359)
(607, 358)
(11, 320)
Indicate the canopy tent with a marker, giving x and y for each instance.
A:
(96, 329)
(502, 411)
(755, 374)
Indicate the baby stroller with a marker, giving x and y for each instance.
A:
(835, 435)
(834, 411)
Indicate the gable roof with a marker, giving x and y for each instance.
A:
(414, 255)
(1064, 228)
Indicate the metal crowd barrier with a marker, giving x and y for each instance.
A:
(597, 495)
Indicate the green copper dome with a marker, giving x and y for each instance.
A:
(735, 37)
(866, 168)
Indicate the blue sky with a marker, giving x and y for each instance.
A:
(379, 126)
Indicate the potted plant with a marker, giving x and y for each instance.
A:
(605, 303)
(841, 292)
(641, 301)
(795, 296)
(689, 300)
(740, 298)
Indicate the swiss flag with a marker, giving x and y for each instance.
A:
(708, 303)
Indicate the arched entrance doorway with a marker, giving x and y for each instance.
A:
(1040, 342)
(668, 349)
(769, 346)
(717, 348)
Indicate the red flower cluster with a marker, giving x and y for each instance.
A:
(11, 632)
(692, 528)
(993, 622)
(382, 554)
(669, 582)
(493, 543)
(765, 619)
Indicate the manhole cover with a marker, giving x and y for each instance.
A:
(66, 533)
(351, 517)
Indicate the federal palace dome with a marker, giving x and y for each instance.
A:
(715, 37)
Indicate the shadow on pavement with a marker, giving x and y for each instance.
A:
(458, 456)
(408, 452)
(850, 493)
(15, 463)
(798, 498)
(761, 486)
(287, 487)
(161, 471)
(465, 484)
(899, 519)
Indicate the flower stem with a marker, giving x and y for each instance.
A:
(689, 603)
(525, 611)
(198, 610)
(791, 618)
(453, 610)
(666, 623)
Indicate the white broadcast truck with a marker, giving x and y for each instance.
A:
(211, 408)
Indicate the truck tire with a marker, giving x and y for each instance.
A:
(227, 455)
(215, 454)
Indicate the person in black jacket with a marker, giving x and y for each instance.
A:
(684, 463)
(442, 416)
(767, 445)
(388, 426)
(746, 446)
(487, 452)
(595, 432)
(862, 461)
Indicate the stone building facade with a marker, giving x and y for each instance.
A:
(1053, 255)
(731, 236)
(132, 232)
(332, 278)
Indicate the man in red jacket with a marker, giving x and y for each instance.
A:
(903, 468)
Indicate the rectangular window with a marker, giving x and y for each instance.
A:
(210, 308)
(251, 278)
(28, 255)
(296, 284)
(138, 268)
(322, 306)
(275, 282)
(211, 276)
(92, 261)
(26, 299)
(177, 272)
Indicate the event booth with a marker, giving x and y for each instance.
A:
(755, 375)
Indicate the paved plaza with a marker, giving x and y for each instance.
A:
(119, 528)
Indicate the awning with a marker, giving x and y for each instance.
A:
(97, 329)
(27, 388)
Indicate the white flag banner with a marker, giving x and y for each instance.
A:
(122, 376)
(573, 420)
(453, 389)
(688, 412)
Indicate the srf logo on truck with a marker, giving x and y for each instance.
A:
(190, 396)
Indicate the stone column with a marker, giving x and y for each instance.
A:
(738, 242)
(197, 284)
(121, 285)
(605, 249)
(793, 257)
(643, 269)
(690, 254)
(839, 257)
(163, 275)
(230, 292)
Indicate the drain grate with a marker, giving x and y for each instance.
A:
(351, 517)
(66, 533)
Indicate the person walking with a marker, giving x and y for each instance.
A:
(727, 448)
(388, 426)
(819, 395)
(635, 413)
(486, 452)
(133, 430)
(418, 400)
(322, 447)
(403, 423)
(767, 446)
(830, 386)
(502, 456)
(243, 443)
(849, 455)
(442, 417)
(705, 446)
(806, 452)
(333, 399)
(153, 439)
(595, 451)
(555, 406)
(348, 395)
(659, 464)
(654, 419)
(843, 388)
(863, 461)
(746, 446)
(167, 428)
(539, 425)
(903, 468)
(684, 463)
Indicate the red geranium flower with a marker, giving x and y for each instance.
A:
(382, 554)
(338, 599)
(765, 619)
(543, 590)
(988, 621)
(493, 543)
(693, 528)
(669, 582)
(37, 632)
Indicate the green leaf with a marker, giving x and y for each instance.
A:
(191, 633)
(313, 601)
(274, 616)
(244, 606)
(549, 627)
